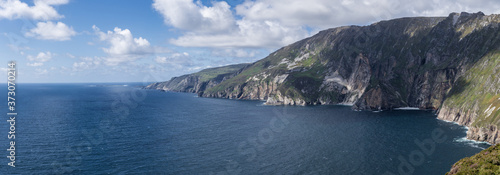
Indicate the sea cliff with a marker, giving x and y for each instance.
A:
(448, 64)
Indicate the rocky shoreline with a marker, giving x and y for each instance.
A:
(449, 64)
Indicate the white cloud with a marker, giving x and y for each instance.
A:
(175, 61)
(80, 66)
(4, 70)
(266, 34)
(42, 10)
(39, 72)
(70, 55)
(39, 59)
(275, 23)
(161, 60)
(332, 13)
(50, 31)
(231, 52)
(36, 64)
(216, 26)
(52, 2)
(123, 47)
(87, 63)
(184, 14)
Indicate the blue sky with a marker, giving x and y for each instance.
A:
(57, 41)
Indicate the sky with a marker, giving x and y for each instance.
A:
(77, 41)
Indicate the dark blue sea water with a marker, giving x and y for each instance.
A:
(118, 129)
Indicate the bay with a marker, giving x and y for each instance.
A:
(119, 128)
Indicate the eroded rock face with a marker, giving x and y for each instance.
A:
(200, 81)
(406, 62)
(462, 117)
(487, 134)
(474, 101)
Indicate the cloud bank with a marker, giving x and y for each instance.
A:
(42, 10)
(275, 23)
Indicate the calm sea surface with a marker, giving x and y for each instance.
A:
(122, 129)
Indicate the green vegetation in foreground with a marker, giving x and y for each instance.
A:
(484, 162)
(478, 86)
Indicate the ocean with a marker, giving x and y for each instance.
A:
(119, 128)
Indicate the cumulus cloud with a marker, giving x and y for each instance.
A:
(239, 53)
(51, 31)
(87, 63)
(123, 47)
(39, 59)
(184, 14)
(42, 9)
(34, 64)
(332, 13)
(161, 60)
(123, 43)
(175, 61)
(275, 23)
(216, 26)
(81, 66)
(250, 34)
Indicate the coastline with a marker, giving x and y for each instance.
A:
(472, 142)
(489, 134)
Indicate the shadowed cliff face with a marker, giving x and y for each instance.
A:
(474, 100)
(397, 63)
(406, 62)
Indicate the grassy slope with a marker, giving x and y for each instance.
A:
(485, 162)
(271, 66)
(478, 86)
(400, 38)
(322, 51)
(207, 74)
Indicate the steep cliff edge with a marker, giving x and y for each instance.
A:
(336, 66)
(446, 63)
(474, 100)
(199, 81)
(397, 63)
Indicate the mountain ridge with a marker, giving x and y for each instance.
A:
(424, 62)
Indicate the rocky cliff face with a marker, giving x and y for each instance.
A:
(397, 63)
(474, 100)
(425, 62)
(200, 81)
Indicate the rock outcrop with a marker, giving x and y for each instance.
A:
(474, 100)
(446, 63)
(200, 81)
